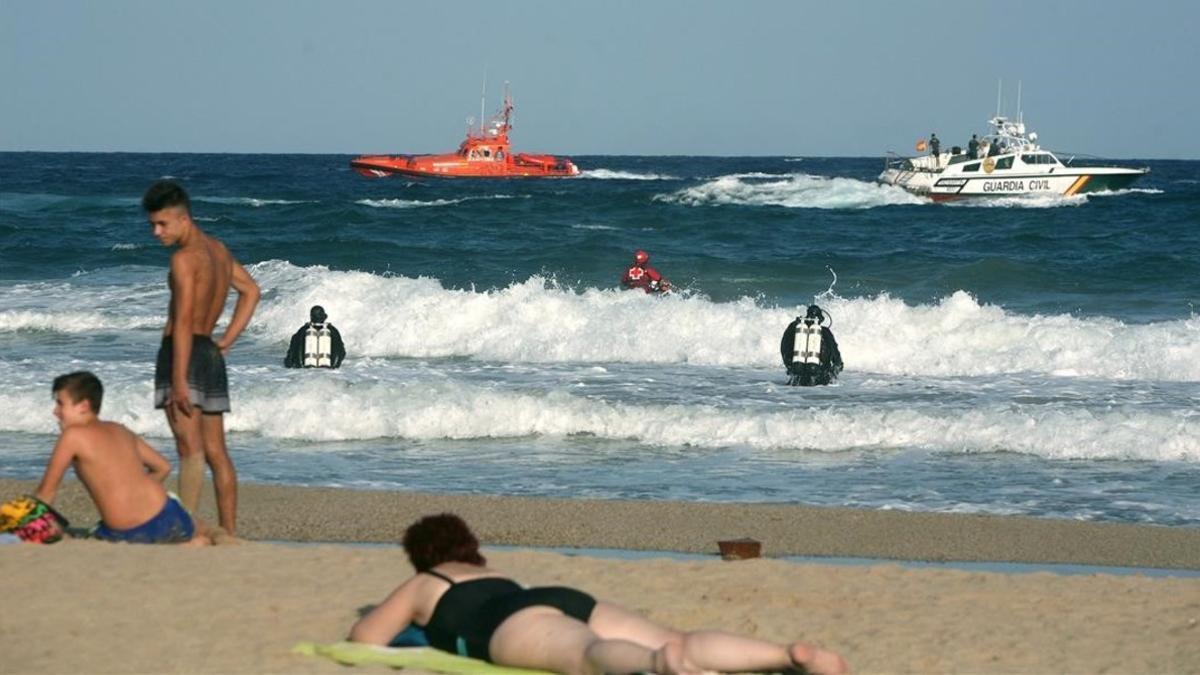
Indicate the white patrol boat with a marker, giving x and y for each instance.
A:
(1007, 163)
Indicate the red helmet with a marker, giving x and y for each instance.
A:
(641, 257)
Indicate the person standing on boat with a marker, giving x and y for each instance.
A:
(317, 344)
(935, 149)
(643, 276)
(973, 147)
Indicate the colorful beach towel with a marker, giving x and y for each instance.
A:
(426, 658)
(32, 520)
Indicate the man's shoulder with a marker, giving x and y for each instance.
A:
(217, 244)
(185, 258)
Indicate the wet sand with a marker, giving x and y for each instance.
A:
(84, 606)
(338, 515)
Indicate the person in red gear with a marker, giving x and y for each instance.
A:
(643, 276)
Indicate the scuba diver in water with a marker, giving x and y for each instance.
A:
(316, 345)
(643, 276)
(809, 350)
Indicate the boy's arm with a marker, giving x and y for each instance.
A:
(60, 460)
(183, 296)
(248, 295)
(159, 467)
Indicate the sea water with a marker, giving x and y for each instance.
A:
(1037, 357)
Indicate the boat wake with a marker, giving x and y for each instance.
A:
(1047, 201)
(1126, 191)
(611, 174)
(418, 204)
(801, 191)
(1040, 201)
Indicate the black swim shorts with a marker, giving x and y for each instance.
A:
(208, 384)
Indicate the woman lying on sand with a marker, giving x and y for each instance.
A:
(468, 609)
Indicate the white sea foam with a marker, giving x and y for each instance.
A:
(71, 322)
(126, 247)
(1046, 201)
(790, 190)
(538, 321)
(81, 306)
(1125, 191)
(581, 226)
(612, 174)
(417, 203)
(432, 407)
(250, 201)
(1029, 201)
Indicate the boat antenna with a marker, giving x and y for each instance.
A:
(508, 114)
(482, 98)
(1020, 115)
(999, 88)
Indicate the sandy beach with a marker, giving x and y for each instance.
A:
(84, 606)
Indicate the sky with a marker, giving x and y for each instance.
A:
(1111, 78)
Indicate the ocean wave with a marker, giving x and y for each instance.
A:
(791, 191)
(537, 320)
(331, 409)
(612, 174)
(17, 202)
(417, 203)
(71, 322)
(540, 321)
(84, 304)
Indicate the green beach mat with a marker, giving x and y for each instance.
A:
(426, 658)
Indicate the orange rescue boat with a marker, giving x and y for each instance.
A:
(484, 154)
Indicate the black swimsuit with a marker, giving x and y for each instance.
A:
(470, 611)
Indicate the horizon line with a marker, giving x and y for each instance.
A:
(715, 156)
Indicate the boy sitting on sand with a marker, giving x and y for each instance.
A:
(112, 463)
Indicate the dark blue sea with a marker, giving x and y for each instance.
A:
(1012, 357)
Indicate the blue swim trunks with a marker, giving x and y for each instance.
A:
(172, 525)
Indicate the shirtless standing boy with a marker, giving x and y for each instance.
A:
(190, 370)
(121, 472)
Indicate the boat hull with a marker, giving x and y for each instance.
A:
(940, 188)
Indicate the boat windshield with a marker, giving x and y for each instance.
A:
(1039, 158)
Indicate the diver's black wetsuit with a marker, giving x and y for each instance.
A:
(809, 374)
(295, 355)
(470, 611)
